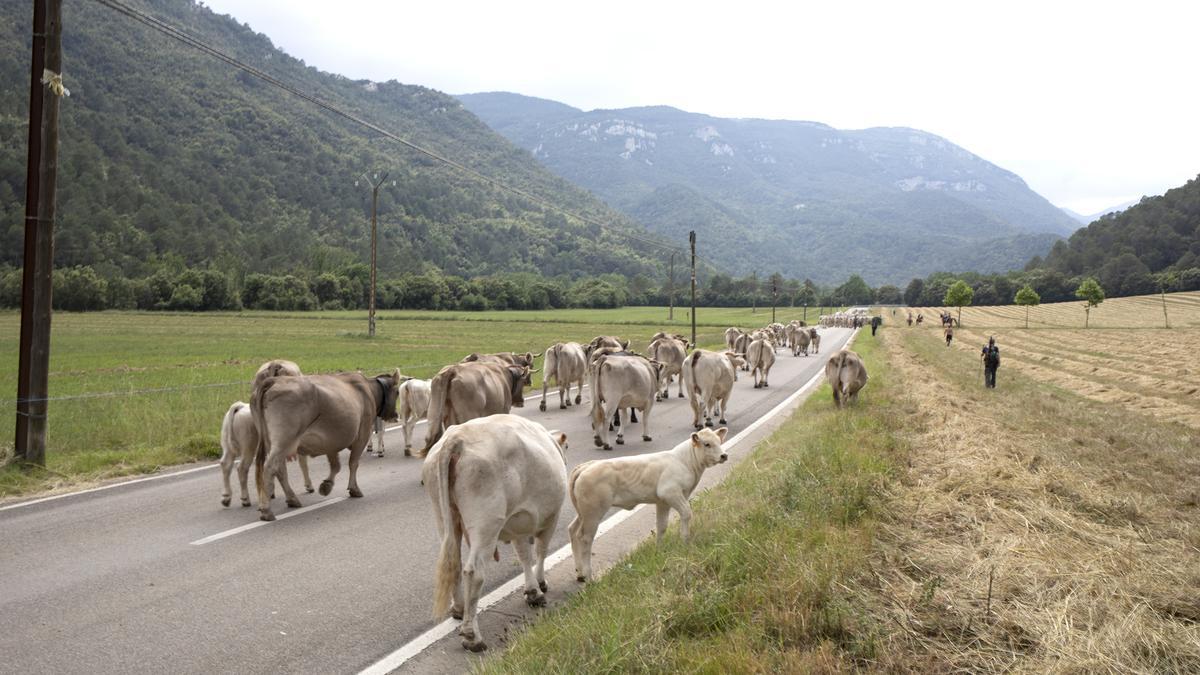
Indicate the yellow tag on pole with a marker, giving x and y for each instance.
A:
(54, 81)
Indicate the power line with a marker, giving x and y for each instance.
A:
(177, 34)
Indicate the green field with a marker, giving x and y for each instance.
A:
(138, 391)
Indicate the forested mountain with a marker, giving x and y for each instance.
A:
(1123, 250)
(171, 158)
(799, 197)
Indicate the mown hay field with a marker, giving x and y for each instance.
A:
(135, 391)
(1121, 360)
(1143, 311)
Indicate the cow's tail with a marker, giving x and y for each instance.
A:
(228, 452)
(550, 367)
(439, 405)
(258, 407)
(692, 361)
(575, 473)
(449, 565)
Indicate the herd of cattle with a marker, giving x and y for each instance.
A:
(515, 468)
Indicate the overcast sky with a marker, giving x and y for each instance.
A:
(1092, 103)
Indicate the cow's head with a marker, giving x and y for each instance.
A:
(706, 445)
(520, 376)
(390, 384)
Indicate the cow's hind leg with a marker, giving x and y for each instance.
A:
(227, 460)
(304, 472)
(541, 546)
(472, 581)
(578, 392)
(334, 466)
(663, 511)
(621, 427)
(646, 423)
(379, 436)
(244, 477)
(354, 457)
(292, 500)
(533, 595)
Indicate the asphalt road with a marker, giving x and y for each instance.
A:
(156, 576)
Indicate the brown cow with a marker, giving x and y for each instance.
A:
(846, 375)
(316, 415)
(465, 391)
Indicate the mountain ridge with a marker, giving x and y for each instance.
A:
(908, 201)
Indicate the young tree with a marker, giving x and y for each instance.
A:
(1029, 298)
(1090, 292)
(957, 295)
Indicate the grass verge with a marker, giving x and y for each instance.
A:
(764, 584)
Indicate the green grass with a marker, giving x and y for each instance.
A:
(765, 583)
(118, 362)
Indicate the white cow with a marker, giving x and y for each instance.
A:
(761, 357)
(412, 404)
(239, 440)
(665, 479)
(491, 479)
(670, 352)
(565, 364)
(620, 383)
(708, 378)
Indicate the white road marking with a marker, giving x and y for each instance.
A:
(420, 643)
(259, 523)
(109, 487)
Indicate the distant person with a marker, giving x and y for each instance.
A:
(991, 362)
(949, 329)
(875, 321)
(920, 319)
(910, 319)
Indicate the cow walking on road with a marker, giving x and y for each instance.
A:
(566, 364)
(464, 391)
(316, 415)
(493, 479)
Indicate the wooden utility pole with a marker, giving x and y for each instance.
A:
(1166, 319)
(45, 89)
(692, 242)
(671, 290)
(374, 182)
(774, 296)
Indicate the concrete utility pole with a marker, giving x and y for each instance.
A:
(692, 242)
(45, 89)
(374, 181)
(671, 290)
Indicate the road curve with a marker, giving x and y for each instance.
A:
(156, 576)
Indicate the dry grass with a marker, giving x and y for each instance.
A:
(1034, 531)
(1143, 311)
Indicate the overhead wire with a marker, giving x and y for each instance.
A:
(178, 34)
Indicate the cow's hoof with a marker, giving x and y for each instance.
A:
(379, 454)
(245, 502)
(563, 406)
(267, 516)
(647, 438)
(456, 614)
(308, 489)
(610, 426)
(225, 501)
(607, 446)
(722, 421)
(579, 399)
(326, 487)
(708, 423)
(698, 427)
(580, 578)
(681, 394)
(596, 440)
(408, 452)
(620, 440)
(542, 407)
(293, 503)
(534, 598)
(473, 646)
(355, 493)
(543, 586)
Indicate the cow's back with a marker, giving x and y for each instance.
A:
(296, 404)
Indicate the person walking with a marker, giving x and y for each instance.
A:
(949, 330)
(991, 362)
(875, 321)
